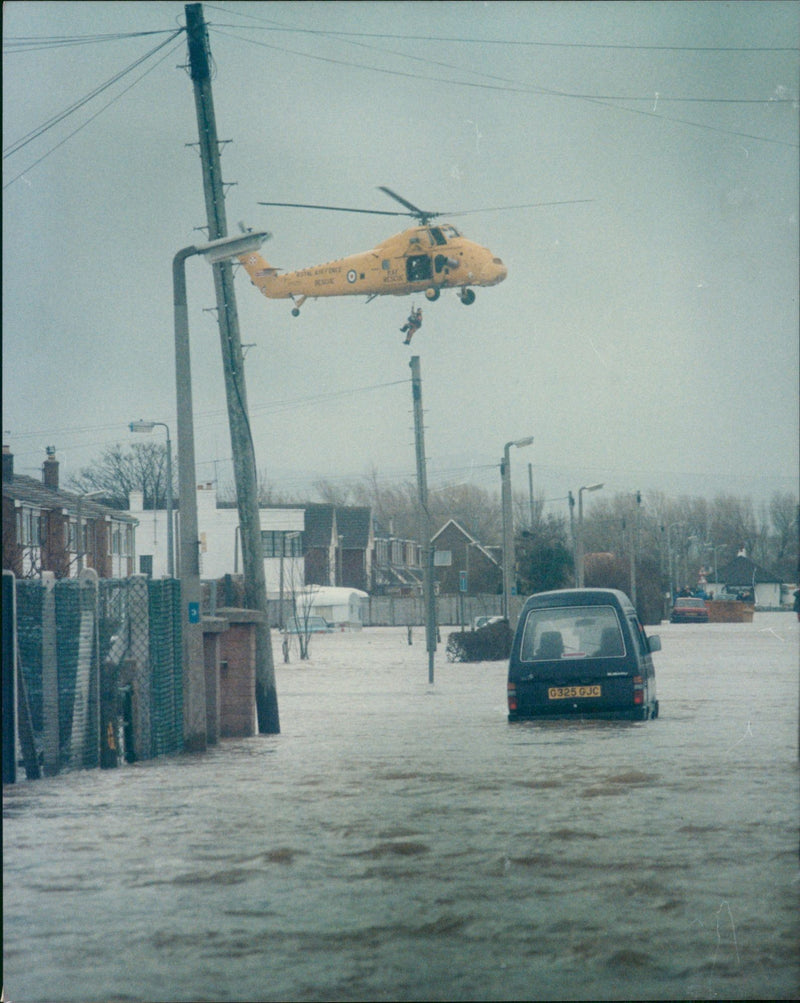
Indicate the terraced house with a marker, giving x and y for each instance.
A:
(48, 529)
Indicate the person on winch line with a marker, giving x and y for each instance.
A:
(412, 325)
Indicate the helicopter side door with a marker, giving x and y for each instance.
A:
(421, 267)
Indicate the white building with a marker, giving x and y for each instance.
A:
(220, 546)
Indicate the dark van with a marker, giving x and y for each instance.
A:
(581, 653)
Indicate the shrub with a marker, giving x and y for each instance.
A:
(487, 644)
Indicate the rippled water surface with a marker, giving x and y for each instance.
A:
(403, 841)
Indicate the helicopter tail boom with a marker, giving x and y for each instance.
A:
(262, 275)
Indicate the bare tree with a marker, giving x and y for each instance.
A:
(333, 494)
(120, 470)
(733, 522)
(785, 518)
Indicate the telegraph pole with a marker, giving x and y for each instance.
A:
(425, 519)
(244, 465)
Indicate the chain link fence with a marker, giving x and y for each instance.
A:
(100, 671)
(377, 611)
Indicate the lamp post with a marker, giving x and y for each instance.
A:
(671, 526)
(287, 537)
(720, 546)
(580, 569)
(194, 696)
(463, 585)
(147, 426)
(573, 540)
(508, 525)
(634, 547)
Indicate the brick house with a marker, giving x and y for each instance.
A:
(483, 570)
(48, 529)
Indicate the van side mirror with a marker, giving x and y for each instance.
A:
(654, 643)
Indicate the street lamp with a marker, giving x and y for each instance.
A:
(671, 526)
(508, 527)
(286, 537)
(579, 569)
(720, 546)
(147, 426)
(194, 698)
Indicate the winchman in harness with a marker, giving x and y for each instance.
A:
(412, 325)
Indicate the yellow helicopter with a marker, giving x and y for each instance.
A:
(422, 260)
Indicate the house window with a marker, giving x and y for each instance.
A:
(74, 541)
(281, 542)
(29, 527)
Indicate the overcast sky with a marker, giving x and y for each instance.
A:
(647, 338)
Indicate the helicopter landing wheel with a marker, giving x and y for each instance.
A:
(467, 297)
(296, 312)
(431, 295)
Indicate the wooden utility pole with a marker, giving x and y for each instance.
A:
(425, 519)
(244, 466)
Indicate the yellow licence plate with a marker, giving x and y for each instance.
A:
(570, 692)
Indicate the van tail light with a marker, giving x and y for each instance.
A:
(512, 696)
(638, 690)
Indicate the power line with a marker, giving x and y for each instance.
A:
(648, 98)
(99, 112)
(40, 130)
(511, 87)
(273, 405)
(30, 43)
(270, 25)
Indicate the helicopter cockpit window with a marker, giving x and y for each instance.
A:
(436, 235)
(450, 231)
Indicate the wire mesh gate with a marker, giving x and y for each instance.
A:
(100, 669)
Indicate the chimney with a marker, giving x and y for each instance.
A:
(8, 465)
(50, 469)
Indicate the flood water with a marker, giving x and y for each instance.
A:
(402, 841)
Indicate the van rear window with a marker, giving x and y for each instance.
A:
(572, 632)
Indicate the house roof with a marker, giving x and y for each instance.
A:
(744, 571)
(34, 493)
(353, 524)
(320, 527)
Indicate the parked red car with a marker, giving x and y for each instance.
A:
(689, 611)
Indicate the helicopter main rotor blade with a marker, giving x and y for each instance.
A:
(504, 208)
(334, 208)
(414, 210)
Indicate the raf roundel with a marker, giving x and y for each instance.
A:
(352, 275)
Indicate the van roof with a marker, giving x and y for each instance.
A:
(578, 597)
